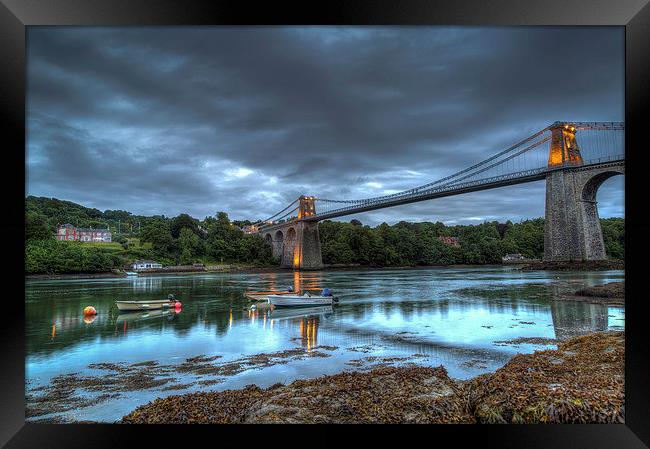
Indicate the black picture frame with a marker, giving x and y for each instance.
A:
(16, 15)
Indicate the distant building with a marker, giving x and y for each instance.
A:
(66, 232)
(70, 232)
(94, 235)
(512, 257)
(451, 241)
(144, 264)
(251, 229)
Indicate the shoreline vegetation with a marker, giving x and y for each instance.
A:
(190, 270)
(582, 381)
(218, 240)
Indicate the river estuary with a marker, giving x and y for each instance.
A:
(471, 320)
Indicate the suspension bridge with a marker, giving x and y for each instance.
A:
(573, 172)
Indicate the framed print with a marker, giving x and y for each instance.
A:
(346, 213)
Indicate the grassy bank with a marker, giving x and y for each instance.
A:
(580, 382)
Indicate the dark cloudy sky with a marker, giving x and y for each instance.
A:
(245, 119)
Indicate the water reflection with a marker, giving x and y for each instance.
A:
(571, 319)
(451, 316)
(437, 312)
(146, 283)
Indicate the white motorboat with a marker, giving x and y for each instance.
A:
(143, 305)
(131, 273)
(303, 300)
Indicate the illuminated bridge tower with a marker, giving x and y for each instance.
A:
(297, 243)
(572, 228)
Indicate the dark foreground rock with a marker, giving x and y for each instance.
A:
(582, 381)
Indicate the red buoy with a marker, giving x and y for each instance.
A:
(177, 305)
(90, 310)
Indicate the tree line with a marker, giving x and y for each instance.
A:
(185, 240)
(421, 244)
(180, 240)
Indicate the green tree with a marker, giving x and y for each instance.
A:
(157, 232)
(183, 221)
(36, 227)
(189, 245)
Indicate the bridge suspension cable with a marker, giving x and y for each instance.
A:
(272, 217)
(524, 161)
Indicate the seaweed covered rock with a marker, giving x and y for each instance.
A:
(383, 395)
(580, 382)
(609, 290)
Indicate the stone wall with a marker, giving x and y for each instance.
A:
(572, 227)
(297, 245)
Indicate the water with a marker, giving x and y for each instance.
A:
(462, 318)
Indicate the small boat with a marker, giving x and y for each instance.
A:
(305, 299)
(144, 305)
(262, 296)
(131, 273)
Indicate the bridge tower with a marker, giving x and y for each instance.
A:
(572, 228)
(297, 243)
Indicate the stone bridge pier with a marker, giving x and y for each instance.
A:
(297, 244)
(572, 228)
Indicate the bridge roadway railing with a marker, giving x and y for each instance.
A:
(453, 188)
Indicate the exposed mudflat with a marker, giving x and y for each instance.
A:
(612, 293)
(73, 391)
(610, 290)
(580, 382)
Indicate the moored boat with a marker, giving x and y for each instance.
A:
(144, 305)
(131, 273)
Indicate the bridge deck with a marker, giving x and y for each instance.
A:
(445, 191)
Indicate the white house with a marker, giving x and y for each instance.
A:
(144, 264)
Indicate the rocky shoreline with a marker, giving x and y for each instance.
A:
(588, 265)
(580, 382)
(612, 293)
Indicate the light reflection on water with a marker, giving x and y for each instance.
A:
(456, 317)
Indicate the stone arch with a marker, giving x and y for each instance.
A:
(593, 235)
(276, 241)
(591, 186)
(290, 248)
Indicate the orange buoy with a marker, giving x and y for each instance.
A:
(90, 310)
(88, 319)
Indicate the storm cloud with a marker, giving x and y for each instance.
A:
(245, 119)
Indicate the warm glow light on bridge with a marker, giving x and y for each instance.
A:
(564, 148)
